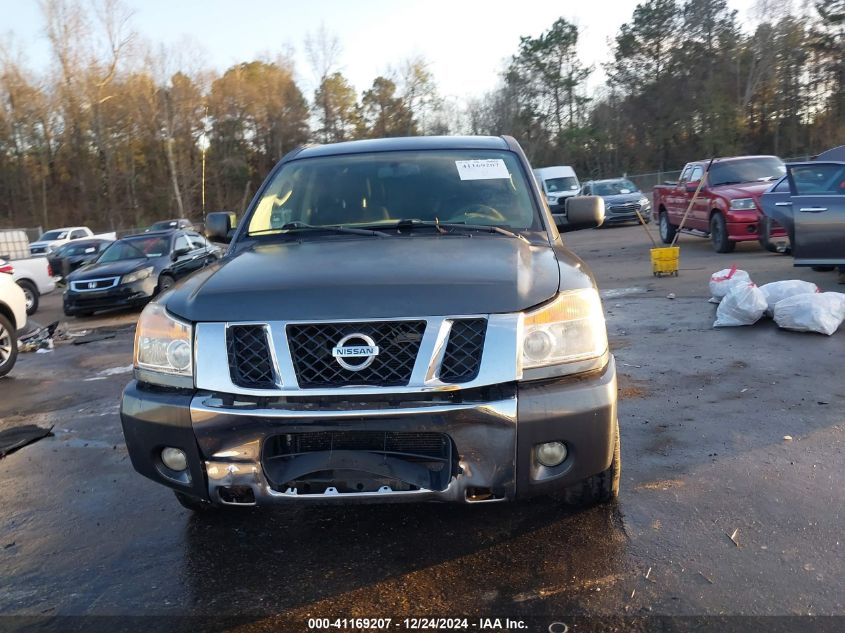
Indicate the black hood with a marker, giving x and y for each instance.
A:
(371, 278)
(110, 269)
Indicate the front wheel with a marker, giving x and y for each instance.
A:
(8, 346)
(719, 234)
(165, 282)
(667, 229)
(31, 294)
(599, 488)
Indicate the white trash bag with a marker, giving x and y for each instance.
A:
(743, 305)
(721, 282)
(812, 312)
(780, 290)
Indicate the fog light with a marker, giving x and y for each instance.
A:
(551, 454)
(174, 458)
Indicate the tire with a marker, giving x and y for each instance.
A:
(165, 282)
(194, 504)
(765, 228)
(8, 346)
(719, 234)
(32, 296)
(667, 229)
(599, 488)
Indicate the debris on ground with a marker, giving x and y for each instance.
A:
(671, 295)
(787, 438)
(39, 339)
(811, 312)
(91, 338)
(733, 537)
(780, 290)
(19, 436)
(743, 305)
(722, 281)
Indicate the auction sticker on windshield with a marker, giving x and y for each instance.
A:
(486, 169)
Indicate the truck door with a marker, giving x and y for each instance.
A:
(818, 208)
(699, 215)
(678, 197)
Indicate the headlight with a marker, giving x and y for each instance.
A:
(645, 202)
(743, 204)
(571, 328)
(551, 200)
(138, 275)
(163, 348)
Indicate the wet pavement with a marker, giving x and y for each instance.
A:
(703, 417)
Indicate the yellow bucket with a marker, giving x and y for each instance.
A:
(664, 261)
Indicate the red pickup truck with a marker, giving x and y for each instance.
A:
(727, 208)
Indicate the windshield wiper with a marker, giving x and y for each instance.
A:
(459, 226)
(296, 227)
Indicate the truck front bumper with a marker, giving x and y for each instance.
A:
(492, 443)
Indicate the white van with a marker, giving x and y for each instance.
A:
(558, 183)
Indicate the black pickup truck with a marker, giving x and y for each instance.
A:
(394, 320)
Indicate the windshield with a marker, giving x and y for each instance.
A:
(53, 235)
(75, 248)
(746, 170)
(472, 187)
(566, 183)
(167, 224)
(136, 248)
(614, 187)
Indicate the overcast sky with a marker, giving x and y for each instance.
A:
(466, 41)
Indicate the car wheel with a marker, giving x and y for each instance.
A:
(765, 228)
(667, 229)
(719, 234)
(8, 346)
(194, 504)
(165, 282)
(31, 294)
(602, 487)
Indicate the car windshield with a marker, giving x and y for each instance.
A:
(614, 187)
(136, 248)
(734, 172)
(53, 235)
(565, 183)
(161, 226)
(77, 249)
(459, 186)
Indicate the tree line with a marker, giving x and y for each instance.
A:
(115, 132)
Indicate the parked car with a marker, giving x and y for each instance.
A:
(622, 200)
(727, 209)
(395, 320)
(51, 240)
(76, 254)
(34, 275)
(558, 183)
(165, 225)
(131, 271)
(12, 320)
(810, 202)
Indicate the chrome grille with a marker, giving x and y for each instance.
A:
(90, 285)
(629, 207)
(250, 360)
(311, 352)
(462, 357)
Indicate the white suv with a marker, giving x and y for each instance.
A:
(12, 320)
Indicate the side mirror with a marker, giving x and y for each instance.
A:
(219, 225)
(180, 252)
(692, 186)
(584, 212)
